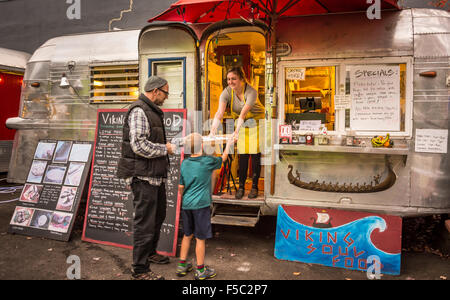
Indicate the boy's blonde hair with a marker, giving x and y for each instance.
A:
(194, 142)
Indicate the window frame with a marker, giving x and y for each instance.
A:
(341, 67)
(153, 61)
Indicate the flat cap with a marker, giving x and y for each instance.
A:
(154, 82)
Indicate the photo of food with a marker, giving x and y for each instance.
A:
(37, 171)
(80, 152)
(62, 151)
(60, 222)
(44, 150)
(41, 219)
(74, 174)
(66, 198)
(55, 174)
(22, 216)
(31, 193)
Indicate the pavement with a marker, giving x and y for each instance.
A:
(237, 253)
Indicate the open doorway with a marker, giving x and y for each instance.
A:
(226, 49)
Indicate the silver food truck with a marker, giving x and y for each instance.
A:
(333, 73)
(12, 67)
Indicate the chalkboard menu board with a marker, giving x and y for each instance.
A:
(51, 195)
(109, 211)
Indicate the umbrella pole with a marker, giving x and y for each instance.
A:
(275, 100)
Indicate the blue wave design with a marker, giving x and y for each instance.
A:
(346, 246)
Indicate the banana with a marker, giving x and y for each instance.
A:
(380, 141)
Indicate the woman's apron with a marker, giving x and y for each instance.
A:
(249, 133)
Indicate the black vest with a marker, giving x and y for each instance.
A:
(131, 164)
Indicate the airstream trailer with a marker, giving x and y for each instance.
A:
(60, 101)
(323, 59)
(342, 62)
(12, 67)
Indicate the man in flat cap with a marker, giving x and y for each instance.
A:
(144, 164)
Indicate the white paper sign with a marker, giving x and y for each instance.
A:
(375, 92)
(295, 73)
(311, 125)
(342, 101)
(431, 140)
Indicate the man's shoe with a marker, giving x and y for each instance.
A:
(240, 193)
(158, 259)
(253, 193)
(183, 270)
(206, 274)
(146, 276)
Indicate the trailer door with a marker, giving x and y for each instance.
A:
(170, 52)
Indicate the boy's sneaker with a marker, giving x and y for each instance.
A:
(183, 270)
(206, 274)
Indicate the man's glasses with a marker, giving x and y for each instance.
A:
(167, 93)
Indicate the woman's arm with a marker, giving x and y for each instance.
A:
(241, 118)
(218, 117)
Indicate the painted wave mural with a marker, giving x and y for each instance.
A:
(347, 246)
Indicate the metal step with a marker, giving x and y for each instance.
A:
(236, 215)
(234, 220)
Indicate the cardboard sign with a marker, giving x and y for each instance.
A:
(295, 73)
(109, 211)
(51, 195)
(337, 238)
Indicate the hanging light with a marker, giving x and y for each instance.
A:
(64, 84)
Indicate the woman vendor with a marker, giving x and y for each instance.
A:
(247, 112)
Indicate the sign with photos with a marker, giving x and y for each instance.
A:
(51, 194)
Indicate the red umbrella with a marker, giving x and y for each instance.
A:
(207, 11)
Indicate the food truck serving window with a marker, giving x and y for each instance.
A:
(309, 96)
(114, 83)
(366, 97)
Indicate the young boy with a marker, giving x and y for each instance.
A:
(195, 186)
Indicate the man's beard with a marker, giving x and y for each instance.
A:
(159, 102)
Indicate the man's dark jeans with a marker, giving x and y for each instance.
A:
(149, 213)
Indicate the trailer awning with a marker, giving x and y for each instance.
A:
(206, 11)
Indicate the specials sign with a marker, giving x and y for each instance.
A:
(336, 238)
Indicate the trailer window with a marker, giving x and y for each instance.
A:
(309, 96)
(174, 71)
(114, 83)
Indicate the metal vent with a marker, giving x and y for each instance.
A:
(114, 83)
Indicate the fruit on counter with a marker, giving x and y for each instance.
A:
(380, 141)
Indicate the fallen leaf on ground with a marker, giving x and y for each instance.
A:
(96, 258)
(296, 273)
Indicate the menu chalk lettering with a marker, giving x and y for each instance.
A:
(109, 212)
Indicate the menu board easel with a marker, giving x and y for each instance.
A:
(51, 195)
(109, 211)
